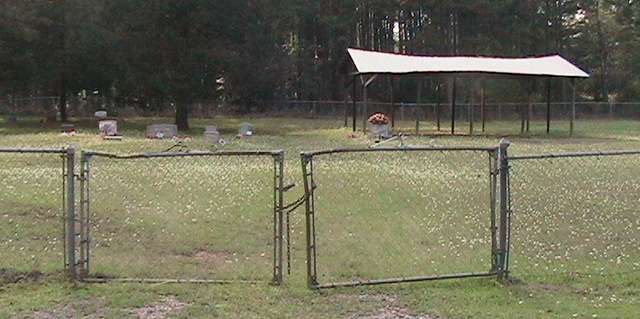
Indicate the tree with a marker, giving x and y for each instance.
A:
(154, 51)
(17, 37)
(173, 49)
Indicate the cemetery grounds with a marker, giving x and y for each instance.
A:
(575, 238)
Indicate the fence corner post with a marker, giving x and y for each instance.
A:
(505, 226)
(71, 212)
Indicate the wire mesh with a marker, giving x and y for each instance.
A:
(575, 218)
(191, 218)
(32, 216)
(400, 214)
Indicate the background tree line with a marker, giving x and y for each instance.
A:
(151, 52)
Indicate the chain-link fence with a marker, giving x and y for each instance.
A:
(493, 111)
(33, 210)
(29, 106)
(378, 216)
(373, 216)
(575, 216)
(426, 115)
(183, 217)
(469, 118)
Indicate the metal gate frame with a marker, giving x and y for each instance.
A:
(85, 212)
(68, 232)
(498, 172)
(537, 157)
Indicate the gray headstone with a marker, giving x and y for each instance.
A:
(246, 129)
(211, 135)
(68, 128)
(12, 118)
(161, 131)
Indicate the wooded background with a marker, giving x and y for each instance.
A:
(251, 53)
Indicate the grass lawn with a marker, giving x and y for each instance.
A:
(576, 235)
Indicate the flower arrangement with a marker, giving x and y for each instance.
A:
(379, 119)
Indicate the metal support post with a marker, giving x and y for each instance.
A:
(84, 216)
(278, 218)
(493, 181)
(504, 209)
(71, 213)
(309, 187)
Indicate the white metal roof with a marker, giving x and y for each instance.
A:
(370, 62)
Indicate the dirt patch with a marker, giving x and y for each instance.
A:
(546, 287)
(213, 257)
(393, 312)
(44, 315)
(392, 308)
(375, 298)
(90, 309)
(66, 313)
(11, 276)
(169, 305)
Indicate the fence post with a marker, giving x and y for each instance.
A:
(346, 117)
(365, 98)
(309, 187)
(71, 213)
(470, 114)
(610, 102)
(278, 217)
(573, 107)
(313, 109)
(84, 215)
(494, 168)
(504, 209)
(417, 113)
(437, 113)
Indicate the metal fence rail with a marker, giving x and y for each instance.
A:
(573, 155)
(196, 217)
(37, 206)
(359, 202)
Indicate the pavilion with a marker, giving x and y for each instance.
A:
(370, 64)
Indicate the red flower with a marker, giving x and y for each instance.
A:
(379, 119)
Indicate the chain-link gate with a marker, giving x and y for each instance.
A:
(576, 216)
(200, 217)
(392, 215)
(37, 210)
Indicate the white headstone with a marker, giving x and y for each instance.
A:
(108, 127)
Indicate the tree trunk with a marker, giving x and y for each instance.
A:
(182, 115)
(62, 106)
(62, 103)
